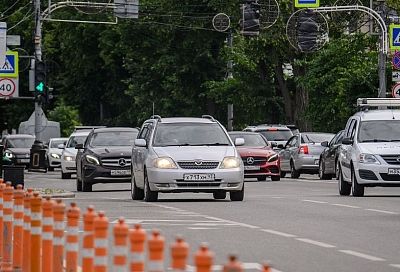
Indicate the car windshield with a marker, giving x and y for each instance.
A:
(190, 134)
(276, 134)
(250, 139)
(20, 142)
(113, 138)
(56, 143)
(379, 131)
(316, 138)
(74, 140)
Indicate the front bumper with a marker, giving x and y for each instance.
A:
(53, 162)
(266, 169)
(100, 174)
(171, 180)
(68, 167)
(377, 175)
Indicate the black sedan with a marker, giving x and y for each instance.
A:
(105, 157)
(328, 160)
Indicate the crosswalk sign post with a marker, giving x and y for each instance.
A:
(306, 3)
(394, 31)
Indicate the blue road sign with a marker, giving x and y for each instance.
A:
(394, 36)
(396, 60)
(10, 67)
(306, 3)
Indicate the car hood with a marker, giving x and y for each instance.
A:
(55, 151)
(189, 153)
(70, 151)
(124, 151)
(255, 151)
(380, 148)
(19, 151)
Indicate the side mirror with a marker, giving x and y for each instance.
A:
(239, 141)
(281, 146)
(61, 146)
(274, 144)
(79, 146)
(347, 141)
(325, 144)
(140, 142)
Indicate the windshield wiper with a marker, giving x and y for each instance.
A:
(395, 140)
(183, 144)
(375, 140)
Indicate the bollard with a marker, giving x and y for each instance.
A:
(72, 245)
(156, 250)
(47, 235)
(100, 242)
(88, 240)
(2, 187)
(266, 267)
(137, 237)
(7, 227)
(203, 259)
(120, 232)
(233, 265)
(179, 254)
(18, 228)
(58, 232)
(26, 251)
(36, 233)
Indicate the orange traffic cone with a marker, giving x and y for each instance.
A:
(203, 259)
(156, 252)
(233, 265)
(47, 235)
(2, 187)
(179, 254)
(8, 227)
(58, 231)
(266, 268)
(88, 240)
(26, 260)
(36, 233)
(72, 245)
(137, 237)
(18, 228)
(120, 246)
(100, 242)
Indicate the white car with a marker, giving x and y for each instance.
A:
(68, 165)
(370, 154)
(54, 152)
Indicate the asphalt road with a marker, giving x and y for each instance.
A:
(296, 225)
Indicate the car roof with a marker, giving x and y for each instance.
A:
(58, 139)
(13, 136)
(244, 132)
(170, 120)
(265, 127)
(127, 129)
(80, 133)
(378, 115)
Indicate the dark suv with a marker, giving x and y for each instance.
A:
(105, 157)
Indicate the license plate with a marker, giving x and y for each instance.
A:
(251, 167)
(316, 162)
(394, 171)
(120, 172)
(198, 177)
(24, 160)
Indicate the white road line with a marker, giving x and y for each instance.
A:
(381, 211)
(362, 255)
(314, 201)
(200, 228)
(346, 206)
(395, 265)
(232, 222)
(316, 243)
(288, 235)
(248, 266)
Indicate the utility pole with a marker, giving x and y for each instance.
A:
(38, 56)
(230, 76)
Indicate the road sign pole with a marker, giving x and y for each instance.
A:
(230, 75)
(382, 75)
(38, 56)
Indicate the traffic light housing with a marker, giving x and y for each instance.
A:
(250, 22)
(40, 77)
(307, 31)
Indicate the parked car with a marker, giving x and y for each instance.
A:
(173, 155)
(278, 134)
(105, 157)
(301, 153)
(259, 159)
(68, 165)
(17, 148)
(54, 151)
(370, 153)
(328, 161)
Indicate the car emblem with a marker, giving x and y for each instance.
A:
(122, 154)
(250, 160)
(122, 162)
(198, 162)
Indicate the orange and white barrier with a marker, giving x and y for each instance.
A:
(7, 227)
(72, 245)
(137, 237)
(18, 226)
(204, 259)
(58, 232)
(47, 235)
(233, 265)
(2, 187)
(120, 246)
(266, 268)
(100, 242)
(156, 252)
(26, 263)
(36, 233)
(179, 255)
(88, 240)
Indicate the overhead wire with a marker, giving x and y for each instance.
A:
(10, 7)
(21, 8)
(26, 16)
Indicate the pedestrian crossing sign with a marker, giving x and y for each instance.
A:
(306, 3)
(394, 31)
(9, 67)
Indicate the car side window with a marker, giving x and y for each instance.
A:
(290, 142)
(148, 133)
(350, 128)
(143, 132)
(340, 138)
(353, 130)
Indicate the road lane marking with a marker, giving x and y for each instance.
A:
(395, 265)
(346, 206)
(381, 211)
(201, 228)
(246, 266)
(314, 201)
(316, 243)
(288, 235)
(362, 255)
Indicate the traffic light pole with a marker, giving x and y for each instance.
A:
(229, 76)
(38, 56)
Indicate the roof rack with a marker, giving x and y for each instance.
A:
(208, 117)
(158, 117)
(377, 102)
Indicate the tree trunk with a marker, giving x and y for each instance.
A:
(284, 91)
(301, 103)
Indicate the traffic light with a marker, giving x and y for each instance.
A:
(40, 77)
(250, 22)
(307, 31)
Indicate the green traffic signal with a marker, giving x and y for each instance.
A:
(40, 87)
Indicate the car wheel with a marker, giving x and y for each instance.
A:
(65, 175)
(344, 186)
(356, 189)
(275, 178)
(219, 195)
(86, 187)
(78, 184)
(149, 195)
(50, 169)
(321, 171)
(237, 196)
(136, 192)
(293, 172)
(283, 174)
(263, 178)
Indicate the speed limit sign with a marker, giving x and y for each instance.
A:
(396, 90)
(9, 87)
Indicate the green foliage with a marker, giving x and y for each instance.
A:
(68, 117)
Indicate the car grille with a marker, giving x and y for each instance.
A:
(116, 162)
(391, 159)
(197, 165)
(257, 160)
(390, 177)
(367, 174)
(198, 184)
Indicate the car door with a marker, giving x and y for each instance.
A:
(332, 152)
(80, 156)
(294, 149)
(347, 150)
(138, 156)
(285, 154)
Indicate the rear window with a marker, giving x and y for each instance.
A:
(276, 134)
(316, 138)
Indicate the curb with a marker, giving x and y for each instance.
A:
(60, 195)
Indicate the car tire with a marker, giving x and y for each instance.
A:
(65, 175)
(344, 186)
(86, 187)
(293, 172)
(283, 174)
(321, 172)
(275, 178)
(238, 195)
(136, 192)
(50, 169)
(219, 195)
(78, 184)
(337, 169)
(357, 190)
(263, 178)
(149, 195)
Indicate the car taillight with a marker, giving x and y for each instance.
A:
(303, 149)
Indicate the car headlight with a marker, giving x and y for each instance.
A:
(368, 159)
(164, 163)
(55, 156)
(230, 162)
(68, 158)
(92, 160)
(273, 158)
(8, 154)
